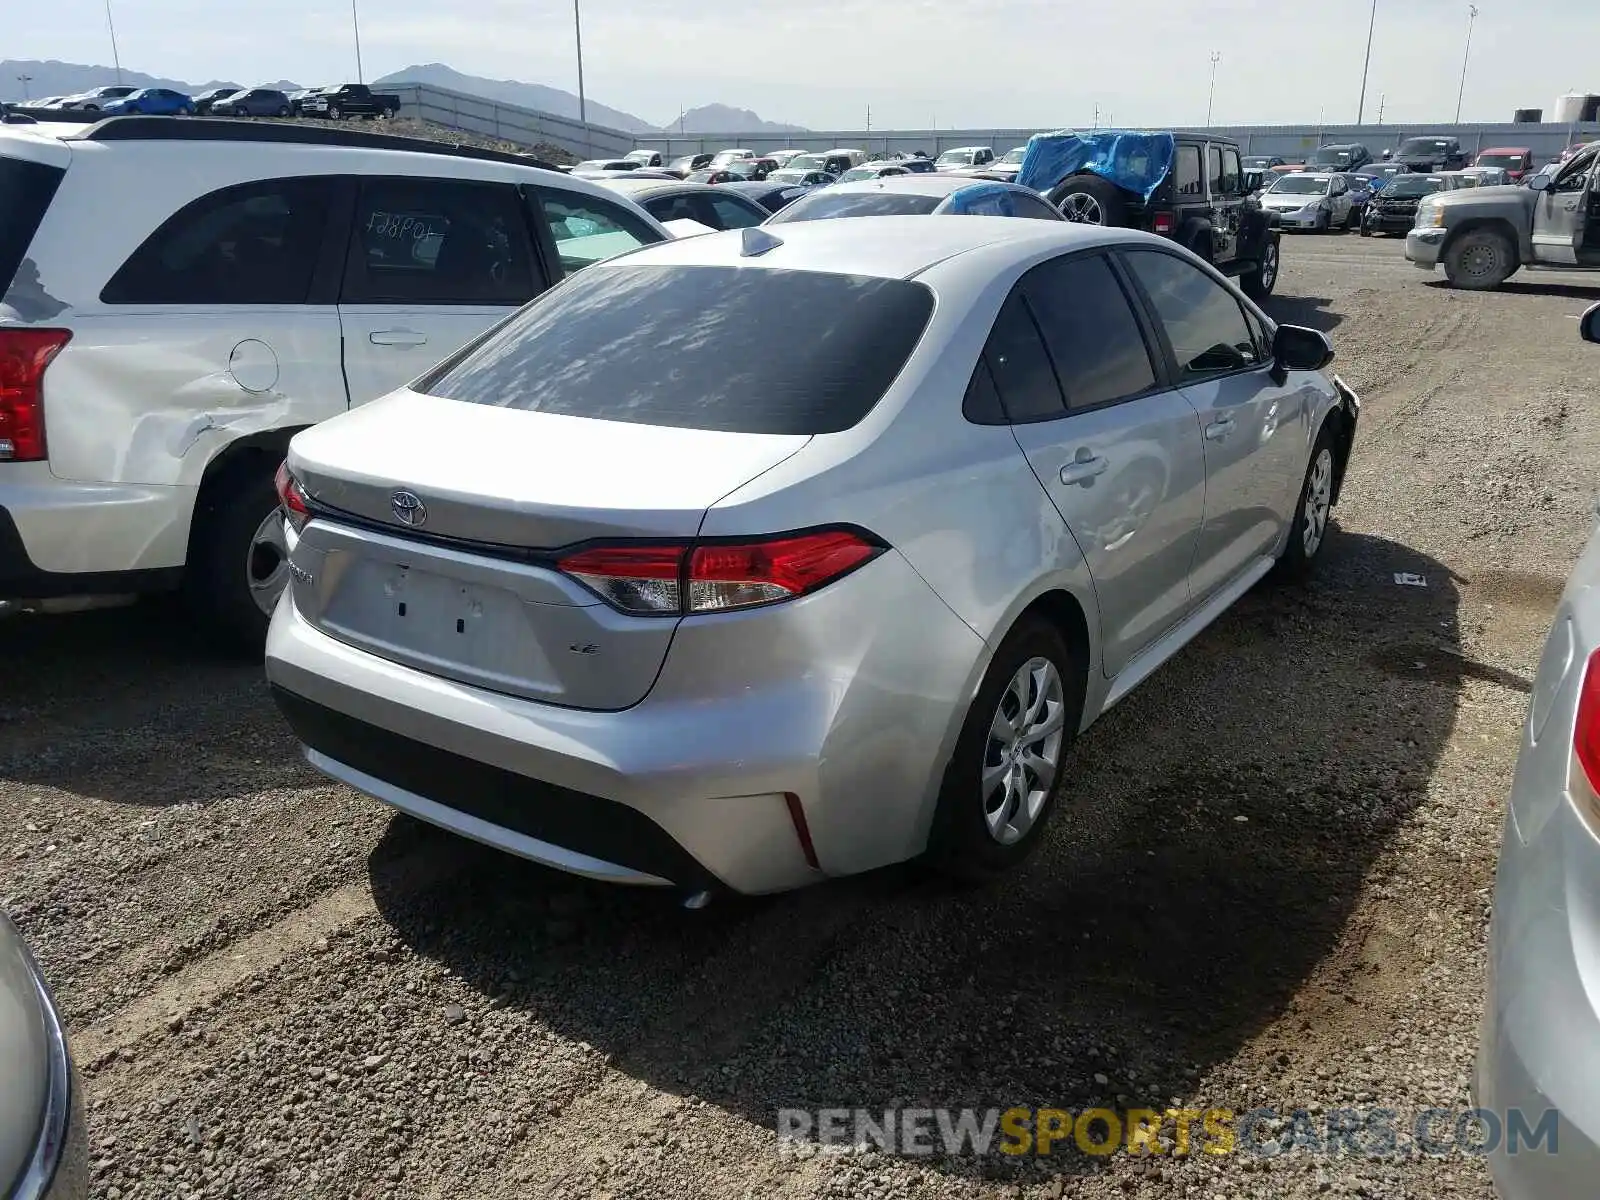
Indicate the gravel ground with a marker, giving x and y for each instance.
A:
(1269, 885)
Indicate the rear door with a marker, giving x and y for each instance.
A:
(1254, 429)
(1117, 450)
(1560, 216)
(431, 264)
(1225, 187)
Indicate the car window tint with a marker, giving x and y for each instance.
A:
(26, 189)
(674, 208)
(1202, 319)
(1024, 205)
(825, 203)
(588, 230)
(1090, 330)
(731, 214)
(1214, 169)
(699, 347)
(439, 241)
(256, 243)
(982, 404)
(1019, 365)
(1188, 171)
(1231, 173)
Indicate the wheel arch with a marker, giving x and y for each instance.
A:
(263, 450)
(1342, 430)
(1497, 224)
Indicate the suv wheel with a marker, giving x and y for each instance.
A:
(239, 560)
(1479, 260)
(1000, 787)
(335, 113)
(1263, 277)
(1090, 200)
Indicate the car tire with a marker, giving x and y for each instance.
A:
(1091, 200)
(1313, 511)
(236, 557)
(1365, 232)
(1479, 260)
(977, 832)
(283, 110)
(335, 113)
(1260, 280)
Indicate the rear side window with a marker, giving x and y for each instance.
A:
(439, 241)
(1090, 331)
(1019, 365)
(734, 214)
(1188, 171)
(1214, 169)
(724, 348)
(256, 243)
(26, 189)
(1232, 177)
(824, 204)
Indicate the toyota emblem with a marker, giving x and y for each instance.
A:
(408, 508)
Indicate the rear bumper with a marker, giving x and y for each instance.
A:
(59, 538)
(851, 717)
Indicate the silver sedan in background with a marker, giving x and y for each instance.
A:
(1307, 200)
(1539, 1053)
(43, 1150)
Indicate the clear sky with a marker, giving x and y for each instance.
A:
(821, 63)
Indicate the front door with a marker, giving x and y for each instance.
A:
(1116, 449)
(1561, 214)
(432, 263)
(1253, 428)
(1224, 187)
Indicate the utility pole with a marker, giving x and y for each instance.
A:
(355, 23)
(1382, 97)
(869, 118)
(1366, 65)
(577, 28)
(1097, 116)
(24, 80)
(1472, 16)
(115, 57)
(1216, 57)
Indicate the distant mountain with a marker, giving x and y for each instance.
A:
(67, 79)
(720, 118)
(510, 91)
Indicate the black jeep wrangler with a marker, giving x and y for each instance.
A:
(1203, 203)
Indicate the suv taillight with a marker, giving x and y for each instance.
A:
(1163, 223)
(679, 579)
(293, 498)
(24, 355)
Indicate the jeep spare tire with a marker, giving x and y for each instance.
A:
(1091, 200)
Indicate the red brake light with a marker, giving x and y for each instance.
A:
(1586, 733)
(649, 579)
(293, 498)
(1162, 223)
(24, 355)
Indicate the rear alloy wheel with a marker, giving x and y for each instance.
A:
(1479, 260)
(1082, 208)
(1000, 787)
(1090, 200)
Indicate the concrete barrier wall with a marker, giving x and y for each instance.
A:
(509, 122)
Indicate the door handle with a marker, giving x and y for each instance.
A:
(397, 337)
(1083, 469)
(1219, 429)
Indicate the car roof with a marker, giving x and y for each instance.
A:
(898, 247)
(638, 188)
(921, 183)
(1325, 176)
(1506, 150)
(750, 187)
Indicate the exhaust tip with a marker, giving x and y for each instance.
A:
(697, 900)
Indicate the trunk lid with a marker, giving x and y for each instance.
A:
(462, 591)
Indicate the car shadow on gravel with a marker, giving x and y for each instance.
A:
(1314, 312)
(1217, 830)
(1523, 287)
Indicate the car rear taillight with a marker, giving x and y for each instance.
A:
(24, 355)
(679, 579)
(293, 498)
(1586, 732)
(1163, 223)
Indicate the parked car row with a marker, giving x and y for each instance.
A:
(334, 102)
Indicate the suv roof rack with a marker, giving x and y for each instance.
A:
(202, 129)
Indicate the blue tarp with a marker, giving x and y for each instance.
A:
(1136, 162)
(983, 200)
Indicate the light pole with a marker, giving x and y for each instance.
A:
(577, 27)
(1472, 15)
(24, 80)
(1366, 65)
(115, 58)
(355, 23)
(1216, 57)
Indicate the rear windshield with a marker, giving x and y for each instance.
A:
(1299, 185)
(25, 192)
(823, 204)
(1500, 160)
(1414, 185)
(1424, 145)
(1328, 155)
(722, 348)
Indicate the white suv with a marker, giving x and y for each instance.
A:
(178, 298)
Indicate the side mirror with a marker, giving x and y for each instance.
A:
(1540, 183)
(1589, 326)
(1296, 348)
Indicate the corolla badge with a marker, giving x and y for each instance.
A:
(409, 508)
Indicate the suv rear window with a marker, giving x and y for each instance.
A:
(820, 205)
(734, 349)
(26, 189)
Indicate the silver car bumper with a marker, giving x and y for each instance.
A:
(59, 1167)
(1423, 246)
(764, 729)
(1299, 220)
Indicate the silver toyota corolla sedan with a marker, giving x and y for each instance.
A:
(42, 1145)
(1539, 1053)
(790, 552)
